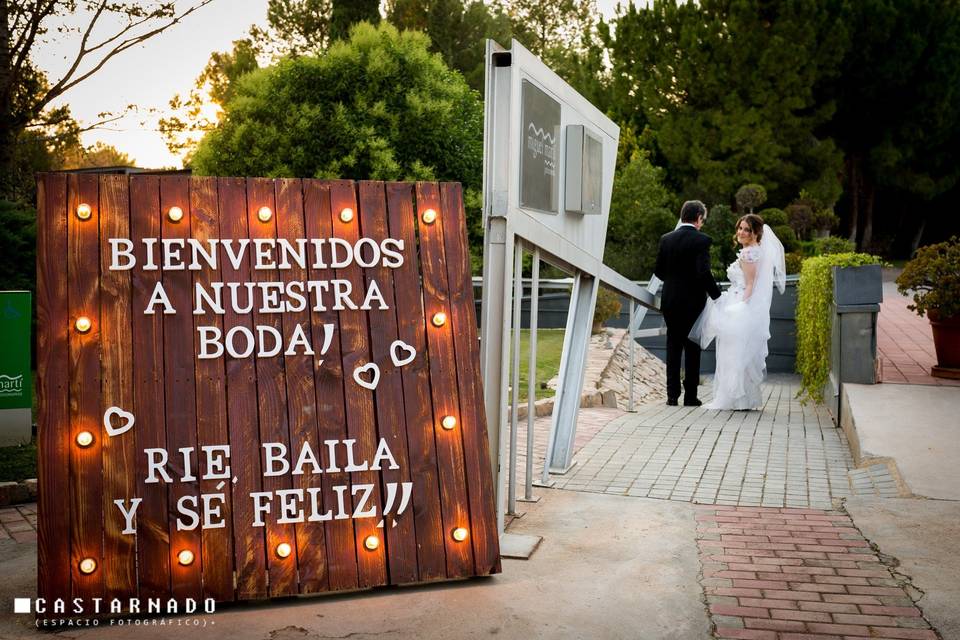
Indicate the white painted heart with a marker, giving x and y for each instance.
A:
(398, 346)
(126, 421)
(375, 378)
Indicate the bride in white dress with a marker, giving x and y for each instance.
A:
(740, 318)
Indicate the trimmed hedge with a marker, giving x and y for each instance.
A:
(814, 297)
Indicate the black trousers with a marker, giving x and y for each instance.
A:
(677, 345)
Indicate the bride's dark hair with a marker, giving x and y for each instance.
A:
(756, 225)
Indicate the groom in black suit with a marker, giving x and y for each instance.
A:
(683, 263)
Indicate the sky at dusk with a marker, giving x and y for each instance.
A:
(149, 75)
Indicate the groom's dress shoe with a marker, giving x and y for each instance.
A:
(692, 403)
(672, 402)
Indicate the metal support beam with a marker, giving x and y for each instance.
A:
(515, 377)
(573, 364)
(532, 375)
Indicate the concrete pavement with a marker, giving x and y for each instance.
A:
(609, 567)
(918, 539)
(916, 427)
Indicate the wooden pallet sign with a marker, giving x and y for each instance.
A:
(253, 388)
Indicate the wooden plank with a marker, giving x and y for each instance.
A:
(249, 542)
(271, 392)
(180, 394)
(473, 425)
(341, 551)
(116, 366)
(54, 433)
(310, 548)
(153, 534)
(443, 376)
(211, 380)
(418, 407)
(400, 532)
(86, 480)
(361, 420)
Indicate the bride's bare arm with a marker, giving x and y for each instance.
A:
(749, 276)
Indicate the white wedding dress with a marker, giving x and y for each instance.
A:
(742, 326)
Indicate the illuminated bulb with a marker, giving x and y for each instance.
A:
(372, 543)
(439, 319)
(84, 439)
(185, 557)
(429, 216)
(88, 566)
(264, 214)
(175, 214)
(83, 211)
(284, 550)
(346, 214)
(459, 534)
(448, 422)
(83, 324)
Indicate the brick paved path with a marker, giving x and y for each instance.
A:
(905, 343)
(788, 454)
(19, 523)
(799, 574)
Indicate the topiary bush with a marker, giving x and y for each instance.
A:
(933, 276)
(814, 297)
(773, 216)
(750, 196)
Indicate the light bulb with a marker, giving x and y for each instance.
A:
(439, 319)
(430, 216)
(459, 534)
(284, 550)
(84, 439)
(88, 566)
(448, 422)
(83, 324)
(185, 557)
(175, 214)
(346, 214)
(372, 543)
(83, 211)
(264, 214)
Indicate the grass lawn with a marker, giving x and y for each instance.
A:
(549, 346)
(18, 463)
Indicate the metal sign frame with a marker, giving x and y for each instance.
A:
(570, 240)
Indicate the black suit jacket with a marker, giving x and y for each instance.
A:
(683, 263)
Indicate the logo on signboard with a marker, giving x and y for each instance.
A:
(11, 386)
(538, 158)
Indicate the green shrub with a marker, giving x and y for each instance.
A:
(934, 278)
(773, 216)
(720, 225)
(832, 244)
(787, 237)
(608, 306)
(18, 244)
(806, 216)
(814, 297)
(794, 261)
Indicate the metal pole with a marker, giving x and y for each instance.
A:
(630, 330)
(532, 373)
(515, 375)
